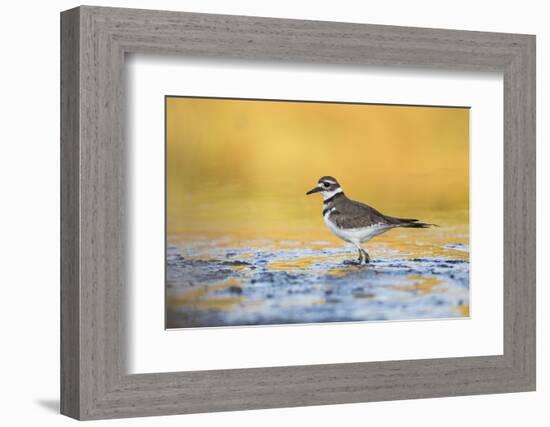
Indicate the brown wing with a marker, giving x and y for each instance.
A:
(351, 214)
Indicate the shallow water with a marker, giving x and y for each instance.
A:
(237, 280)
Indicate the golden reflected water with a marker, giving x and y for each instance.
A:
(241, 165)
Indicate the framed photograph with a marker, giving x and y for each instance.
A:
(338, 212)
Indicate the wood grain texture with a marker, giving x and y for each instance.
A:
(70, 292)
(94, 269)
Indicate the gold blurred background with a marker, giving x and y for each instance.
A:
(245, 165)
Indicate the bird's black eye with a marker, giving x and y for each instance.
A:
(326, 184)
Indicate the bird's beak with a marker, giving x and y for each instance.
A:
(314, 190)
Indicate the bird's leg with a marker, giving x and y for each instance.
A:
(360, 260)
(366, 256)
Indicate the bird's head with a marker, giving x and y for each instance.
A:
(328, 186)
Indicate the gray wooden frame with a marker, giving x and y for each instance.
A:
(94, 41)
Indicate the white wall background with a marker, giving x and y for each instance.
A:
(29, 224)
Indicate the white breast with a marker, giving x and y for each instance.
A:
(355, 235)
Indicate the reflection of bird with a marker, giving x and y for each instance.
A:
(353, 221)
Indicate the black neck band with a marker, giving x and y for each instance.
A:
(332, 197)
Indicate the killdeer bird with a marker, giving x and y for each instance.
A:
(353, 221)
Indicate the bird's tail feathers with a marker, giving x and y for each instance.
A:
(412, 223)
